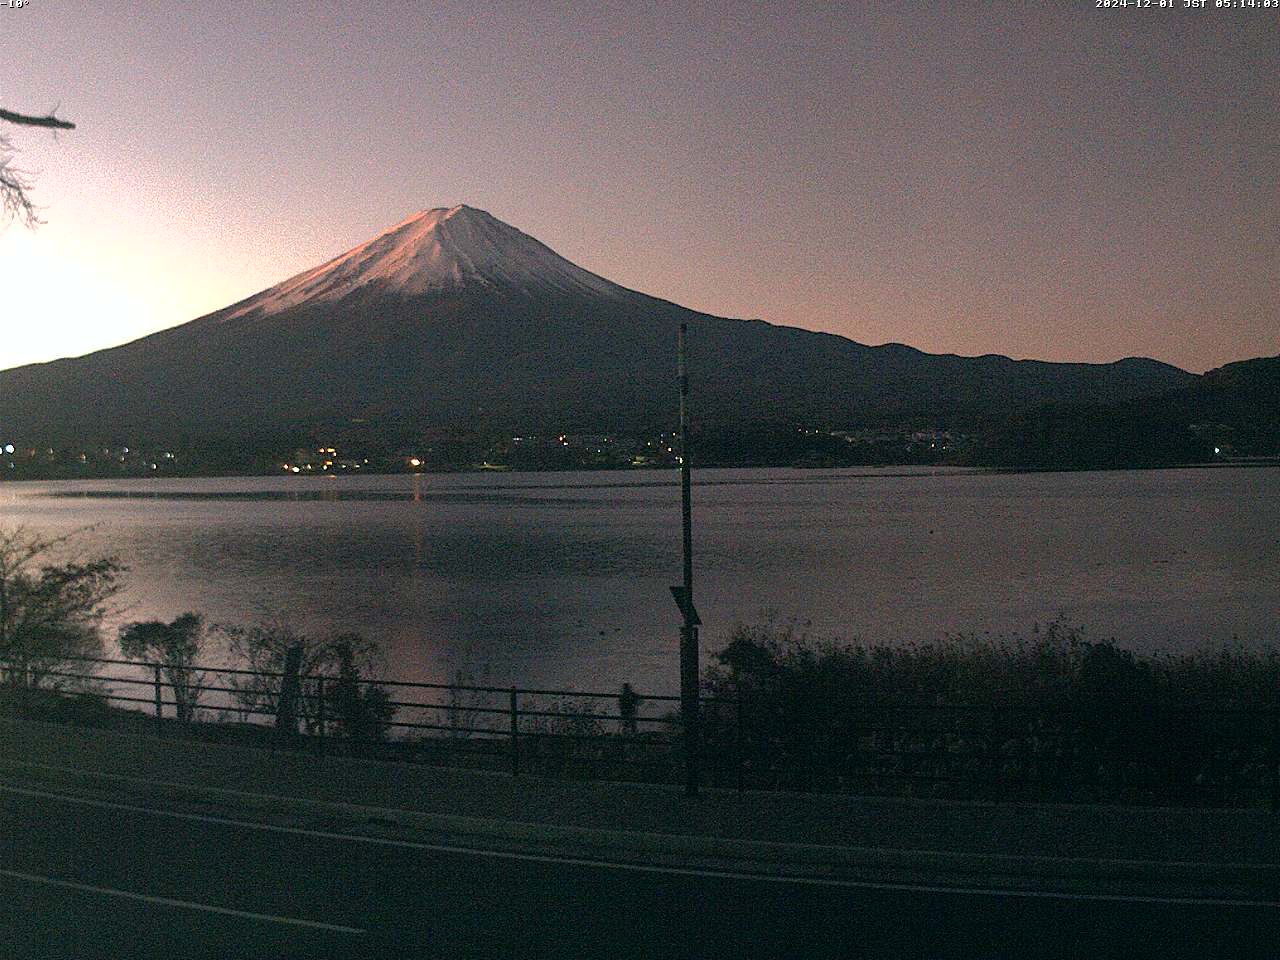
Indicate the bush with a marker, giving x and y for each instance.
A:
(51, 612)
(1051, 706)
(177, 648)
(339, 660)
(361, 713)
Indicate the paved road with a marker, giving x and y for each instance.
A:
(83, 878)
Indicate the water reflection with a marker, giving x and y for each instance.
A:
(561, 579)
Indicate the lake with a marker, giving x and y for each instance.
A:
(562, 578)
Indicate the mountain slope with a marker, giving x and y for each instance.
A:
(1230, 413)
(455, 317)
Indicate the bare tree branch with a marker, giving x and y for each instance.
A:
(15, 185)
(15, 201)
(26, 120)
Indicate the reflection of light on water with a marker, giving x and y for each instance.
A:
(449, 573)
(418, 484)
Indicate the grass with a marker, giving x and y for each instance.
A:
(1052, 715)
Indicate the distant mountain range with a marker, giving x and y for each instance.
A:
(1231, 414)
(452, 317)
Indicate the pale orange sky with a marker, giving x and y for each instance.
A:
(1069, 184)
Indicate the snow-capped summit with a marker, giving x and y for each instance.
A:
(445, 248)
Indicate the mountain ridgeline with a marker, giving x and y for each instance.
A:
(454, 318)
(1230, 414)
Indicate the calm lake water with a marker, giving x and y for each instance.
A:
(562, 578)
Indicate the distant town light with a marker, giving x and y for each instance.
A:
(8, 448)
(415, 462)
(1217, 451)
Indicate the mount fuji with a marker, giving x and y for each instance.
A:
(453, 317)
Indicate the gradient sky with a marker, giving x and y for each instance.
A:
(1042, 180)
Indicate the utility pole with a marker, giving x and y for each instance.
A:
(689, 670)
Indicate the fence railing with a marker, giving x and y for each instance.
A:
(1113, 753)
(1192, 755)
(619, 735)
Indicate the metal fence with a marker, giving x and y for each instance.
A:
(619, 735)
(1194, 755)
(1111, 753)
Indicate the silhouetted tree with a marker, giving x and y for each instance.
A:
(362, 713)
(263, 649)
(50, 612)
(15, 186)
(176, 646)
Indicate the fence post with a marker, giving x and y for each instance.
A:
(997, 756)
(26, 692)
(738, 745)
(811, 755)
(290, 688)
(1275, 759)
(1024, 744)
(515, 733)
(155, 668)
(321, 712)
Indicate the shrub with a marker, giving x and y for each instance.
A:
(1052, 704)
(361, 712)
(51, 612)
(177, 647)
(263, 650)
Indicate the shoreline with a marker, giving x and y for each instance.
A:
(934, 469)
